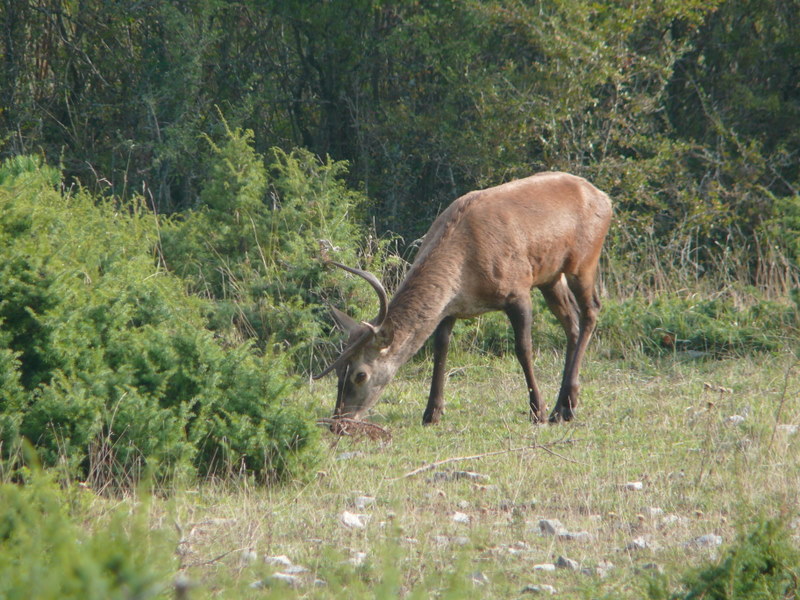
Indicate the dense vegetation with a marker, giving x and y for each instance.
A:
(688, 113)
(171, 174)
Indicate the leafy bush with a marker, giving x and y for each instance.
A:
(763, 564)
(254, 244)
(44, 553)
(106, 364)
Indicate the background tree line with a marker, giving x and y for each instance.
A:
(687, 112)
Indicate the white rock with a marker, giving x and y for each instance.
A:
(362, 502)
(357, 559)
(248, 557)
(349, 455)
(291, 580)
(567, 563)
(460, 517)
(281, 560)
(353, 520)
(669, 520)
(639, 543)
(539, 589)
(575, 536)
(294, 570)
(788, 429)
(463, 505)
(634, 486)
(735, 419)
(551, 526)
(547, 567)
(709, 540)
(479, 578)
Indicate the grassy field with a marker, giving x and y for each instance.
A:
(667, 460)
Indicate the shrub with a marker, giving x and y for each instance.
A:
(106, 363)
(763, 564)
(254, 245)
(44, 553)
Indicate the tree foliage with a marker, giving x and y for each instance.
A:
(685, 111)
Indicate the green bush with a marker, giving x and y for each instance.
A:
(106, 363)
(44, 553)
(763, 564)
(254, 245)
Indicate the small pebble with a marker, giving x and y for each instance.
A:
(567, 563)
(362, 502)
(353, 520)
(460, 517)
(709, 540)
(282, 560)
(639, 543)
(479, 578)
(575, 536)
(551, 526)
(538, 589)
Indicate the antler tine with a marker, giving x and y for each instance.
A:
(376, 285)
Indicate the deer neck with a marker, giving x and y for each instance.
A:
(417, 308)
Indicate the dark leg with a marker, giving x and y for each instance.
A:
(563, 305)
(441, 343)
(588, 301)
(519, 313)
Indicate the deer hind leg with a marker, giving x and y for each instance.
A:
(588, 302)
(519, 313)
(563, 305)
(441, 343)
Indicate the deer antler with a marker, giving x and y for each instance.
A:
(372, 328)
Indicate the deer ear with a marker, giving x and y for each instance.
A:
(345, 322)
(385, 335)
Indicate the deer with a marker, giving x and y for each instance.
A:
(485, 252)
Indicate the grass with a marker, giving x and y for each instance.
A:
(663, 422)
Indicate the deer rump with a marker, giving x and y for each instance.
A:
(485, 252)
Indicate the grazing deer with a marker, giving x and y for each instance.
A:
(485, 252)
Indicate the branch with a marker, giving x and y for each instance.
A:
(545, 447)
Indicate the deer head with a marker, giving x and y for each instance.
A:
(363, 368)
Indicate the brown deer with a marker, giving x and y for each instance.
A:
(485, 252)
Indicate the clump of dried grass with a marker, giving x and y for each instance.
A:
(357, 429)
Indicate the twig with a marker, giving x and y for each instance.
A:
(545, 447)
(213, 560)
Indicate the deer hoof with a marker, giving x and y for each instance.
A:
(561, 414)
(431, 418)
(538, 417)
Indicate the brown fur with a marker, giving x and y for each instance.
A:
(485, 252)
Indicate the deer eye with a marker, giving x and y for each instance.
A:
(360, 377)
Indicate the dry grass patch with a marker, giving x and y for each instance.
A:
(653, 477)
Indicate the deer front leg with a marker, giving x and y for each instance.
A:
(519, 313)
(441, 343)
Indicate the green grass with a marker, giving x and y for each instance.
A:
(663, 422)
